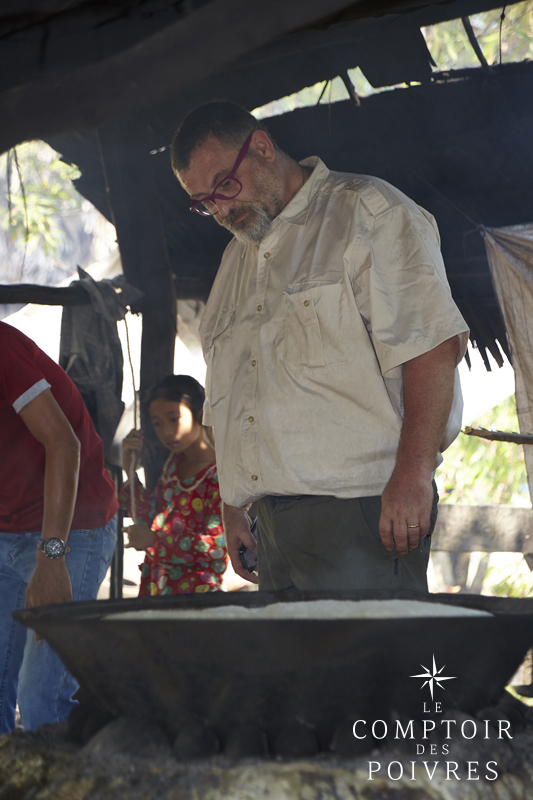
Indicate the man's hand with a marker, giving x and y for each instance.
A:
(237, 526)
(139, 536)
(406, 501)
(49, 583)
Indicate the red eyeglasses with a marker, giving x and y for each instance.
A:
(226, 189)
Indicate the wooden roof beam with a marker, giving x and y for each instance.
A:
(43, 295)
(186, 289)
(152, 70)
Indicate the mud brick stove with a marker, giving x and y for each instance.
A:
(181, 705)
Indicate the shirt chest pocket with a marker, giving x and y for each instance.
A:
(219, 359)
(321, 326)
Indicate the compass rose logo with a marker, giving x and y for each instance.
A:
(433, 677)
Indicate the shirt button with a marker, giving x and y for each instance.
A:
(306, 303)
(254, 477)
(259, 308)
(267, 255)
(250, 419)
(254, 362)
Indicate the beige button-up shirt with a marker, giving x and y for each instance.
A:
(305, 336)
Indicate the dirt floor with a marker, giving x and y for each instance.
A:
(132, 762)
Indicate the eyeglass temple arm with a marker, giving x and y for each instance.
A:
(241, 156)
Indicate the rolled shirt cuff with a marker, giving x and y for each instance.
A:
(30, 394)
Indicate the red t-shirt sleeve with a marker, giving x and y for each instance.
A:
(20, 378)
(25, 372)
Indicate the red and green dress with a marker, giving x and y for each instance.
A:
(189, 550)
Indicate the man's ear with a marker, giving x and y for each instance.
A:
(263, 146)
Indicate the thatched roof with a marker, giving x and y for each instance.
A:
(107, 84)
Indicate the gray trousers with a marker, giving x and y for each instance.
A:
(311, 542)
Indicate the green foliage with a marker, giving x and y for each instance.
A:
(511, 588)
(323, 92)
(31, 211)
(450, 48)
(480, 472)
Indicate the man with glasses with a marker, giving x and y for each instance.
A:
(331, 342)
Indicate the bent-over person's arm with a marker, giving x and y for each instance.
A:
(50, 582)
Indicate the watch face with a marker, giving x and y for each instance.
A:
(54, 548)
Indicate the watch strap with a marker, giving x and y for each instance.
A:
(41, 545)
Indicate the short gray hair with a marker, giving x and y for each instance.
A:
(228, 122)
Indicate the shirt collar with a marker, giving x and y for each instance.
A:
(297, 210)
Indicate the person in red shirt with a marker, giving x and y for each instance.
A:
(53, 488)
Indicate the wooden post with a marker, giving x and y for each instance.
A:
(116, 577)
(134, 205)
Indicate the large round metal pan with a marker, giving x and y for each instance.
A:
(273, 672)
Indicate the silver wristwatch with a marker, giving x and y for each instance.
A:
(53, 547)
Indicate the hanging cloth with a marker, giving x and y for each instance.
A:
(510, 256)
(90, 351)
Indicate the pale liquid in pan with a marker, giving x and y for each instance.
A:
(312, 609)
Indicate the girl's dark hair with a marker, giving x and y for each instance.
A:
(180, 389)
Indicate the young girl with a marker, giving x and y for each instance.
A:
(182, 531)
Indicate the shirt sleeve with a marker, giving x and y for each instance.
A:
(411, 310)
(207, 419)
(21, 380)
(34, 391)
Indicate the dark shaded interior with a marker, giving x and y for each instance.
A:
(458, 143)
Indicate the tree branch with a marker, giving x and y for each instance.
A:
(467, 25)
(500, 436)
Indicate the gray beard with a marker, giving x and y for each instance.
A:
(254, 230)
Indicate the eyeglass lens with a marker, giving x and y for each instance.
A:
(228, 190)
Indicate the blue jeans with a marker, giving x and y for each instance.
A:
(29, 672)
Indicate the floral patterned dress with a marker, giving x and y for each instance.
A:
(189, 550)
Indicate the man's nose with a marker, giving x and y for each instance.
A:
(224, 206)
